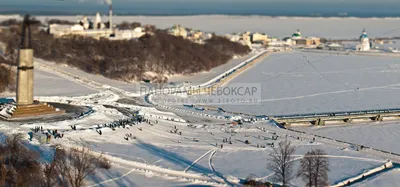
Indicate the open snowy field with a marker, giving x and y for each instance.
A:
(202, 77)
(273, 26)
(49, 84)
(296, 82)
(382, 135)
(93, 77)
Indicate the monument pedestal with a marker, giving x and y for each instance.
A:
(34, 110)
(26, 107)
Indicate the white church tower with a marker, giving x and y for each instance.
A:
(98, 24)
(364, 42)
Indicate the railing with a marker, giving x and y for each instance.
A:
(342, 113)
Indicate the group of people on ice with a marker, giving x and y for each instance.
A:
(119, 123)
(48, 133)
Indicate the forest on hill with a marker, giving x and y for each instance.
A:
(154, 56)
(7, 78)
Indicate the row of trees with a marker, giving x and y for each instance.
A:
(7, 77)
(21, 166)
(6, 74)
(159, 53)
(61, 22)
(12, 22)
(127, 25)
(314, 166)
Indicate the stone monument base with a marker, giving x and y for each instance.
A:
(33, 111)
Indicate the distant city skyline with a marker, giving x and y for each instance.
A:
(324, 8)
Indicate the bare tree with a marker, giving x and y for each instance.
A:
(19, 165)
(13, 144)
(124, 25)
(314, 168)
(75, 164)
(50, 174)
(321, 165)
(249, 182)
(280, 162)
(306, 169)
(3, 174)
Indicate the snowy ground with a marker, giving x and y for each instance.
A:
(206, 76)
(385, 179)
(121, 175)
(132, 87)
(380, 135)
(49, 84)
(163, 156)
(156, 153)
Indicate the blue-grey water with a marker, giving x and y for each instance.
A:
(306, 8)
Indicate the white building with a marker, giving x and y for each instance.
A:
(130, 34)
(232, 37)
(84, 27)
(63, 30)
(96, 29)
(364, 44)
(77, 27)
(258, 37)
(177, 30)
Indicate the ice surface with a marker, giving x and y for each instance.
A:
(382, 135)
(297, 82)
